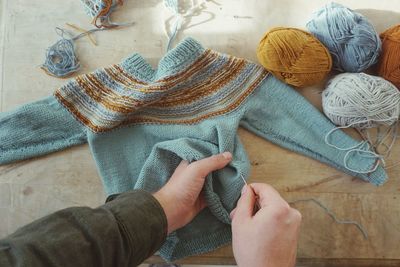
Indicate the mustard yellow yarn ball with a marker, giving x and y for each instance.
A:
(294, 56)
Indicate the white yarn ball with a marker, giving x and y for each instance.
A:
(361, 100)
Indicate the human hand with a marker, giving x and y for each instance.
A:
(267, 238)
(180, 197)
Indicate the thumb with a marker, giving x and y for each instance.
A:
(203, 167)
(191, 180)
(245, 206)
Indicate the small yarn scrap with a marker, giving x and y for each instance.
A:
(348, 35)
(389, 63)
(294, 56)
(60, 59)
(100, 11)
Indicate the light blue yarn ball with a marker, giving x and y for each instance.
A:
(349, 36)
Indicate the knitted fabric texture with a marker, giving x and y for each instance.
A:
(141, 122)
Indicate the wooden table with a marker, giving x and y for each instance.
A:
(33, 188)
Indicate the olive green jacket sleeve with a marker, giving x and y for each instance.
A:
(122, 232)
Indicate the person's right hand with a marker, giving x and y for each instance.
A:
(267, 238)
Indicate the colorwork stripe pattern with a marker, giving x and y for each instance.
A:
(211, 84)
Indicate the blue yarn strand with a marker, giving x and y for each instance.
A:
(173, 5)
(172, 37)
(93, 9)
(60, 59)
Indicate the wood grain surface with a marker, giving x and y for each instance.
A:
(33, 188)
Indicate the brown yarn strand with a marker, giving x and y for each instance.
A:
(104, 12)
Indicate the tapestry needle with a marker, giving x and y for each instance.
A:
(257, 205)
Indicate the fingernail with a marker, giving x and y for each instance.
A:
(227, 155)
(244, 189)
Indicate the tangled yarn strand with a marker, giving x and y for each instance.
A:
(100, 11)
(60, 59)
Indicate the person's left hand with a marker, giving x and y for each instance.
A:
(180, 197)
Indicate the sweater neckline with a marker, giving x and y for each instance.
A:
(175, 60)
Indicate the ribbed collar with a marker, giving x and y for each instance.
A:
(173, 61)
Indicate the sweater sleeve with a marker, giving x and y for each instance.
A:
(122, 232)
(36, 129)
(281, 115)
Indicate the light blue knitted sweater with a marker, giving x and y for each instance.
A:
(140, 123)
